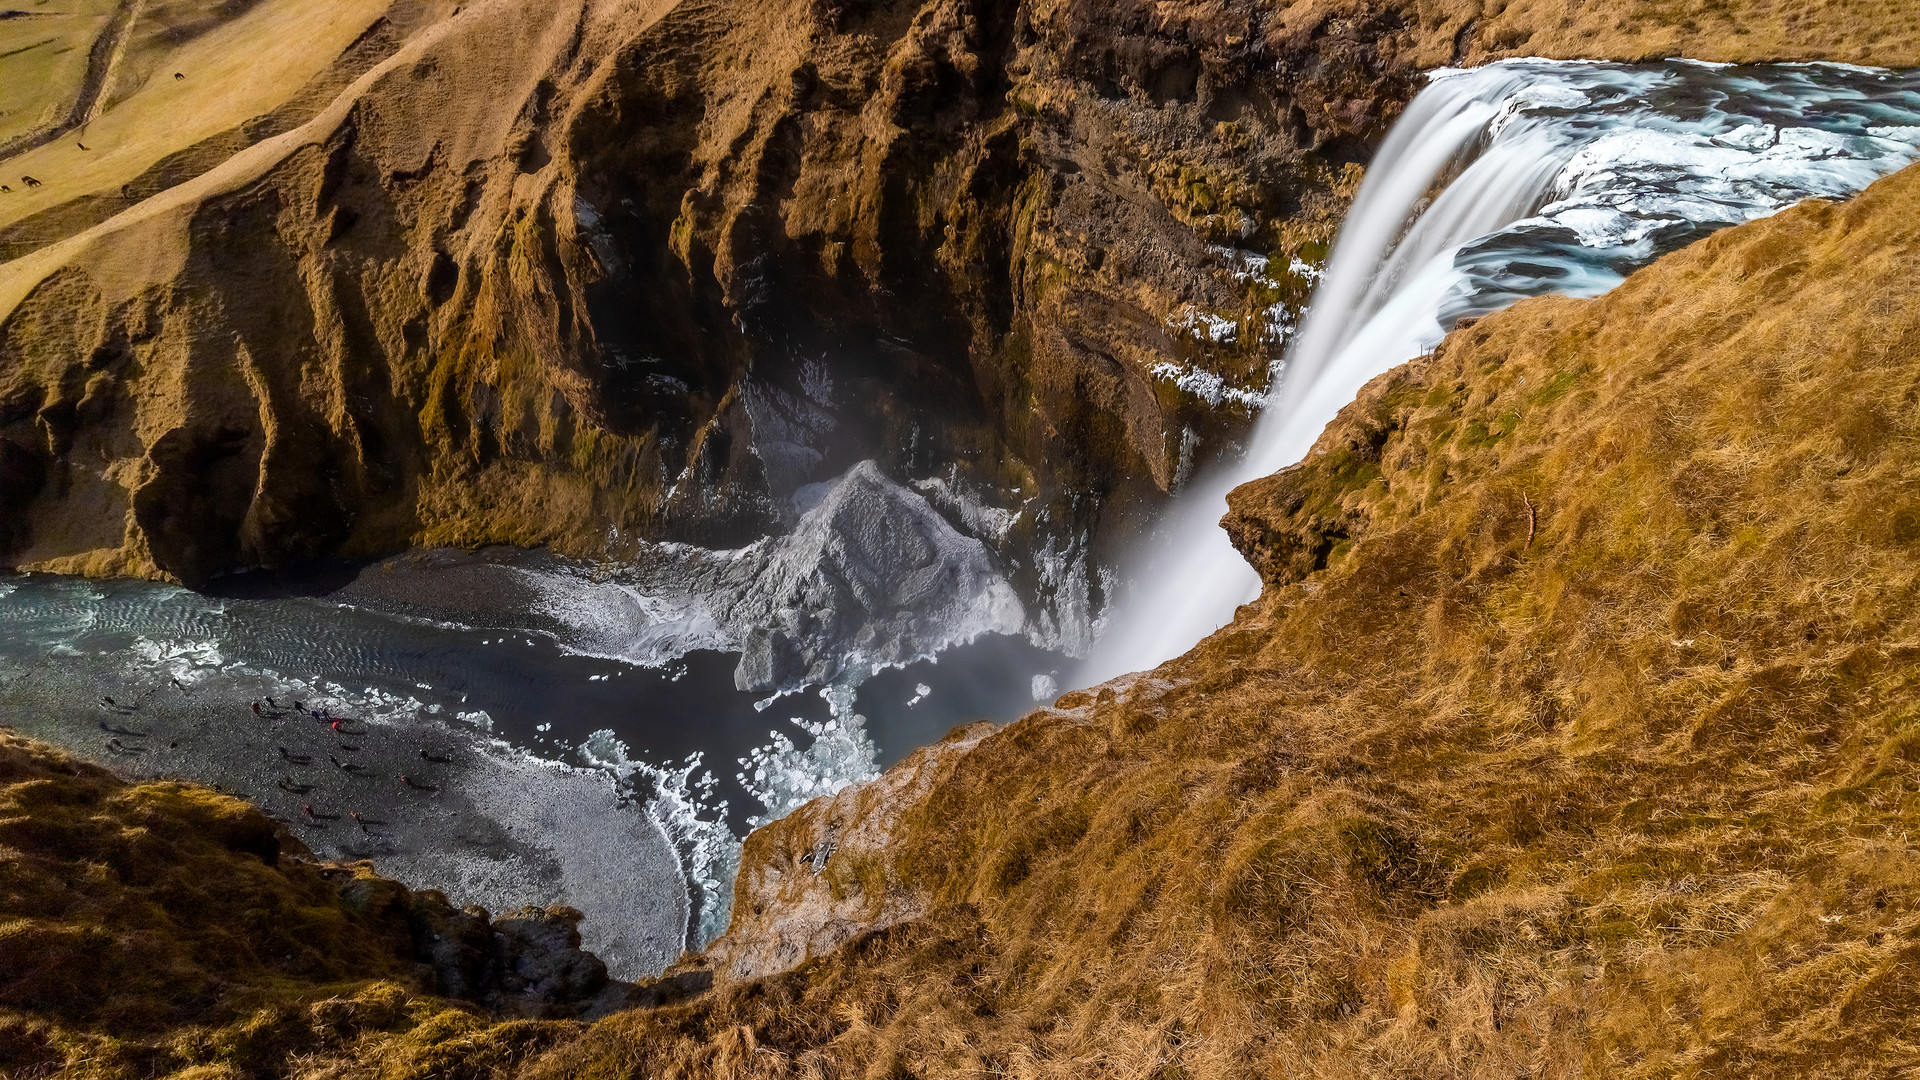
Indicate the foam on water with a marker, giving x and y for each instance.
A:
(781, 776)
(1516, 179)
(872, 579)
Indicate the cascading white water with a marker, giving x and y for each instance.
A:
(1569, 175)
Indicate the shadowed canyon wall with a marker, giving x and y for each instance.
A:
(578, 273)
(1572, 735)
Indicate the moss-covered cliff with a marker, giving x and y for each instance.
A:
(562, 273)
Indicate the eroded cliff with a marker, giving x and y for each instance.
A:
(575, 273)
(547, 271)
(150, 929)
(1572, 736)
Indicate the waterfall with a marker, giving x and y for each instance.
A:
(1565, 176)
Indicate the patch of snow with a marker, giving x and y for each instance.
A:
(1188, 319)
(1206, 385)
(981, 519)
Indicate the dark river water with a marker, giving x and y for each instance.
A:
(512, 728)
(435, 656)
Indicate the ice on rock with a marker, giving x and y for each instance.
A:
(788, 428)
(1206, 385)
(1045, 688)
(952, 497)
(1203, 325)
(871, 576)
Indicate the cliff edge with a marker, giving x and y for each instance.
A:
(1570, 737)
(580, 273)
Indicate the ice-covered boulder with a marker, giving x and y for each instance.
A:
(871, 575)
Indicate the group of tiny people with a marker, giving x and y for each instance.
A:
(269, 709)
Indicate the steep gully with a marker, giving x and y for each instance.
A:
(1635, 160)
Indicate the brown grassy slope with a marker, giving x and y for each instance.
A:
(157, 927)
(44, 54)
(1882, 32)
(1622, 785)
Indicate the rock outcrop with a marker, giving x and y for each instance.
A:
(150, 927)
(816, 878)
(1572, 735)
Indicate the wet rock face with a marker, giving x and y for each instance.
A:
(538, 968)
(1288, 525)
(557, 268)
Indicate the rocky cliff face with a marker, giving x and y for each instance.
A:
(549, 270)
(544, 273)
(1572, 735)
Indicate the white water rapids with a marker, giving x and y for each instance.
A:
(1552, 177)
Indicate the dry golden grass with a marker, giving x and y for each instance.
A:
(161, 928)
(1589, 751)
(1880, 32)
(1633, 797)
(235, 71)
(1574, 736)
(43, 58)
